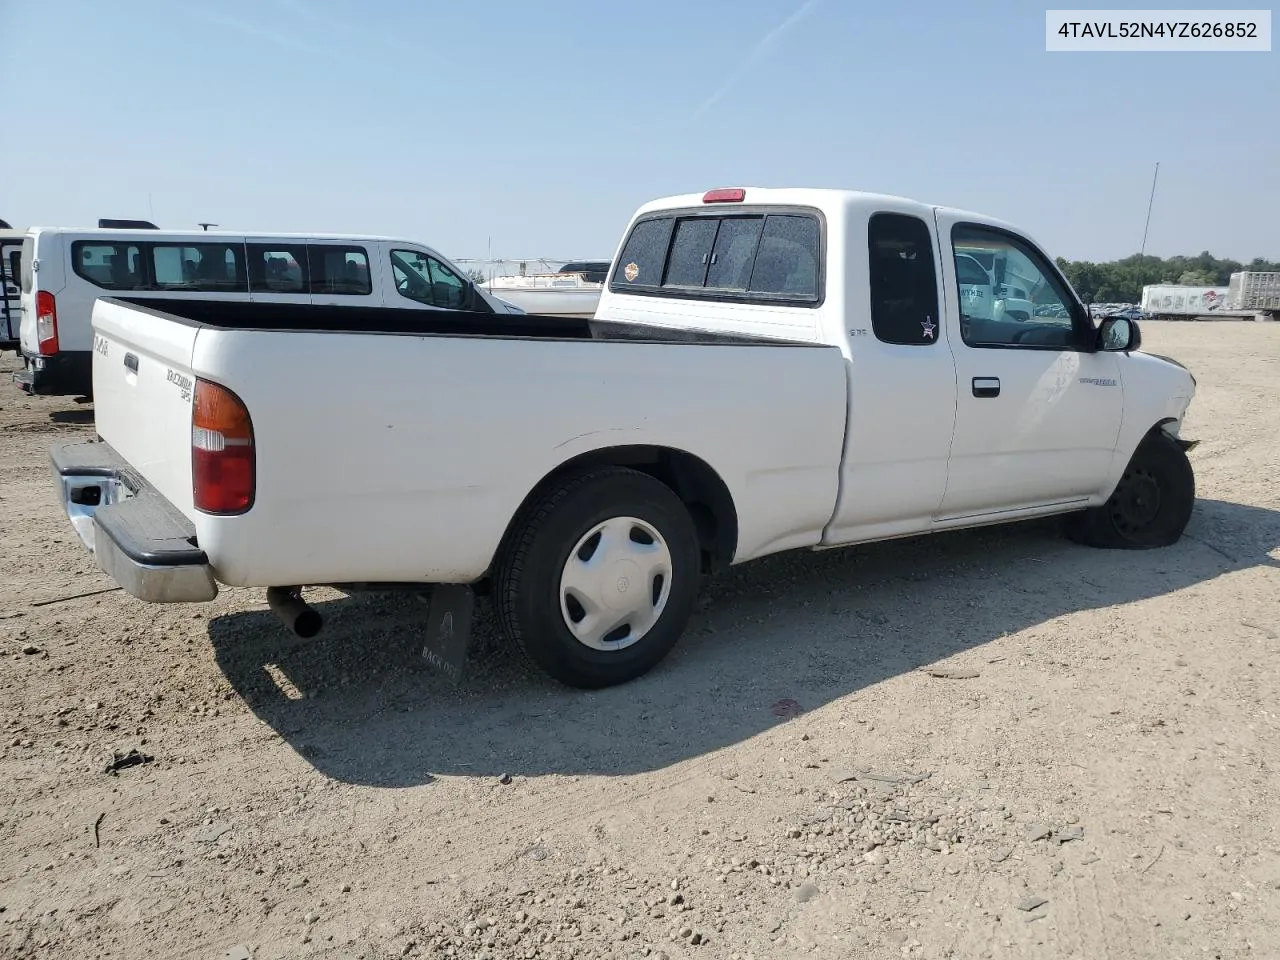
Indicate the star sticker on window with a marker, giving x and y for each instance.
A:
(929, 326)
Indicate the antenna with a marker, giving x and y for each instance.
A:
(1150, 203)
(206, 226)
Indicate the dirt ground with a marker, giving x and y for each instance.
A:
(1094, 779)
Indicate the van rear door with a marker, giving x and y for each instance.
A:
(10, 291)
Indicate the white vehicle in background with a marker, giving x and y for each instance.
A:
(984, 298)
(1173, 301)
(768, 369)
(1256, 292)
(572, 291)
(1249, 295)
(10, 287)
(66, 270)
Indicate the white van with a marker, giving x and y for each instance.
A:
(65, 270)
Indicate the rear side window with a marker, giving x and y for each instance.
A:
(278, 268)
(904, 286)
(203, 267)
(751, 257)
(28, 253)
(112, 266)
(339, 270)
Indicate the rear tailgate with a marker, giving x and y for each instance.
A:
(142, 388)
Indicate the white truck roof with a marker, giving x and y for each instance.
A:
(827, 199)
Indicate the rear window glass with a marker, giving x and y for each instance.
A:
(787, 261)
(691, 252)
(644, 255)
(278, 268)
(112, 266)
(206, 267)
(339, 270)
(735, 253)
(750, 257)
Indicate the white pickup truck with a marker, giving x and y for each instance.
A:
(768, 369)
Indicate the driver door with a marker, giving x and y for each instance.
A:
(419, 278)
(1038, 411)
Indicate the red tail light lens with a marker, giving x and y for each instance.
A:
(46, 323)
(222, 460)
(725, 195)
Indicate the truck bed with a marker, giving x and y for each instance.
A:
(308, 318)
(396, 445)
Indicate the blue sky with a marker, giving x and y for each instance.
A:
(541, 126)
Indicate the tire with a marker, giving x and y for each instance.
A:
(1151, 504)
(585, 625)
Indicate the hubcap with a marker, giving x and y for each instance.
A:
(615, 583)
(1136, 502)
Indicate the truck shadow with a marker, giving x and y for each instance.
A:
(359, 705)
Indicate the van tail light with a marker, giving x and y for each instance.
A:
(725, 195)
(46, 323)
(222, 460)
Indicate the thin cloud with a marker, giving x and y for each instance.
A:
(757, 54)
(261, 33)
(308, 11)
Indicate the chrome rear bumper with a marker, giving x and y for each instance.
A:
(138, 537)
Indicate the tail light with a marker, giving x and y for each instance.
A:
(222, 461)
(46, 323)
(725, 195)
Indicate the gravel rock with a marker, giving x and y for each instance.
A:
(806, 892)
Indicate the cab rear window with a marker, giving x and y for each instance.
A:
(743, 256)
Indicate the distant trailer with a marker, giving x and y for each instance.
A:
(1178, 302)
(1256, 292)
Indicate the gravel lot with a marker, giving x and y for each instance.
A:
(1091, 777)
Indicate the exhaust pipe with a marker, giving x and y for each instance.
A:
(294, 612)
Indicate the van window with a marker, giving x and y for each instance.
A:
(338, 269)
(278, 268)
(758, 258)
(425, 279)
(904, 286)
(207, 267)
(28, 254)
(112, 266)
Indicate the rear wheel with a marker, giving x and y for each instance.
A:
(1151, 504)
(599, 578)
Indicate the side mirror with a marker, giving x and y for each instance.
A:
(1119, 335)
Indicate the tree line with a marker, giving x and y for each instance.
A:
(1121, 281)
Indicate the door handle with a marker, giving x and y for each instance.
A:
(986, 386)
(131, 362)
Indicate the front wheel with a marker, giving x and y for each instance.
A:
(600, 577)
(1151, 504)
